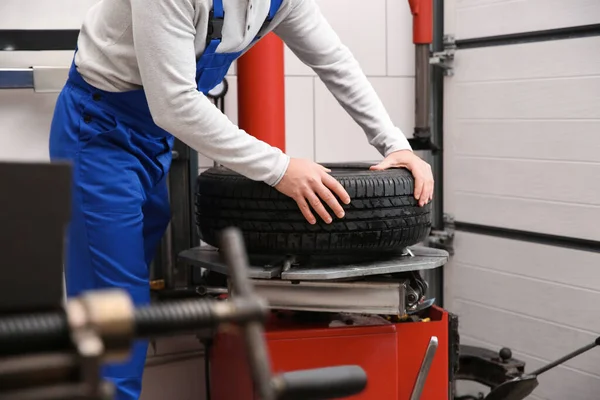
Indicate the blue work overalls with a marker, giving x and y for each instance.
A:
(120, 206)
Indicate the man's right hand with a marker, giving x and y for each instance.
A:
(308, 183)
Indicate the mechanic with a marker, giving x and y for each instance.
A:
(139, 79)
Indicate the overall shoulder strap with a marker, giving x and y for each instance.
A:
(215, 21)
(275, 5)
(218, 8)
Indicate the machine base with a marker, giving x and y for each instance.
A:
(391, 354)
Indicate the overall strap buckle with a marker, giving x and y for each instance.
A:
(215, 27)
(216, 18)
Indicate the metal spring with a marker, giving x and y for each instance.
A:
(50, 332)
(166, 317)
(37, 332)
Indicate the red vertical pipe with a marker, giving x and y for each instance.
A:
(261, 91)
(422, 11)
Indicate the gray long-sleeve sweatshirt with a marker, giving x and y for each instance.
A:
(154, 44)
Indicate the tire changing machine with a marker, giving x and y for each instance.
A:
(372, 314)
(375, 314)
(328, 311)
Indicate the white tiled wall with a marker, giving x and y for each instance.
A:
(338, 138)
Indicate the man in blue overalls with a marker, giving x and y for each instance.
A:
(139, 79)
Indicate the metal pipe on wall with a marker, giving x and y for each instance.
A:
(422, 11)
(437, 104)
(435, 277)
(422, 90)
(427, 20)
(261, 91)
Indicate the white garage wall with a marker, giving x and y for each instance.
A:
(480, 18)
(316, 126)
(522, 140)
(522, 121)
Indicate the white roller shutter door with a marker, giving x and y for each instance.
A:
(522, 180)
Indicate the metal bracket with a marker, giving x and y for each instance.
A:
(444, 59)
(443, 239)
(40, 79)
(420, 143)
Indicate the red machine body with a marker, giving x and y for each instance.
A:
(391, 355)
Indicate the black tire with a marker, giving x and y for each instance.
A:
(382, 216)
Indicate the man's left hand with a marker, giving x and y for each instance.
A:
(420, 169)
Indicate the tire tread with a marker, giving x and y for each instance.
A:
(383, 214)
